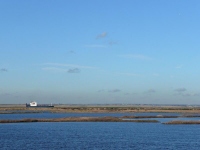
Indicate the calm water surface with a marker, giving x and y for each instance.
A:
(98, 135)
(62, 115)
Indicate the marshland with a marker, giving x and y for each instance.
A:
(103, 113)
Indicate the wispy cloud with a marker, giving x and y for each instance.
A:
(180, 90)
(183, 92)
(136, 56)
(114, 91)
(112, 43)
(4, 70)
(67, 65)
(75, 70)
(191, 94)
(102, 35)
(69, 68)
(54, 69)
(150, 91)
(95, 46)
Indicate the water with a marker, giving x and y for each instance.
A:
(98, 135)
(62, 115)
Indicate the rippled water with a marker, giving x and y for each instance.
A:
(99, 136)
(62, 115)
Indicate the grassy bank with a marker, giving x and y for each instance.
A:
(77, 119)
(182, 122)
(98, 109)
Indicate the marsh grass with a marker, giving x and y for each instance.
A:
(77, 119)
(182, 122)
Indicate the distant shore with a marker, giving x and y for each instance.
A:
(8, 109)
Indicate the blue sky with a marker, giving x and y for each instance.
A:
(105, 52)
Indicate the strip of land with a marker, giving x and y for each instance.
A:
(177, 122)
(78, 119)
(99, 109)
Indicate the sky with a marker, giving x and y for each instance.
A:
(100, 52)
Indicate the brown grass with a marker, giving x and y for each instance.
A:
(77, 119)
(158, 116)
(98, 109)
(182, 122)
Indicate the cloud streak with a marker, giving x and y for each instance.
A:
(150, 91)
(183, 92)
(115, 91)
(61, 68)
(54, 69)
(67, 65)
(75, 70)
(180, 90)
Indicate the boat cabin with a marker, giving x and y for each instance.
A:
(33, 103)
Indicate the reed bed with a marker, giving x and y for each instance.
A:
(77, 119)
(182, 122)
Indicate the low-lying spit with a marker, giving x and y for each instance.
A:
(182, 122)
(78, 119)
(140, 117)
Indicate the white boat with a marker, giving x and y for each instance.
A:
(35, 104)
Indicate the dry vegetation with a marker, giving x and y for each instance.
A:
(77, 119)
(98, 109)
(182, 122)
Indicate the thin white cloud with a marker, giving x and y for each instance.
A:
(54, 69)
(67, 65)
(136, 56)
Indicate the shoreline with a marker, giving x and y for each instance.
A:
(79, 119)
(95, 109)
(135, 119)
